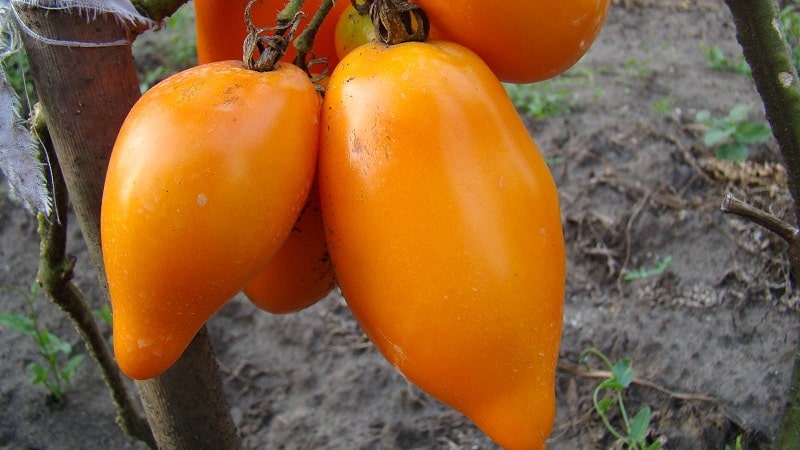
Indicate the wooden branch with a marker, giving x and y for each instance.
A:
(87, 93)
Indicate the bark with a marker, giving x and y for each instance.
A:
(86, 92)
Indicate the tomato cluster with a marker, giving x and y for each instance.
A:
(413, 184)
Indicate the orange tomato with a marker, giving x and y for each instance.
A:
(301, 273)
(352, 29)
(221, 28)
(522, 41)
(206, 179)
(443, 224)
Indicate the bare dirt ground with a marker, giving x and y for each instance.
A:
(637, 186)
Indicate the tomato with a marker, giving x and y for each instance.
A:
(443, 224)
(352, 29)
(301, 272)
(206, 179)
(221, 28)
(522, 41)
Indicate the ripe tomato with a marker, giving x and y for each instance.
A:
(522, 41)
(206, 179)
(443, 225)
(221, 28)
(301, 272)
(352, 29)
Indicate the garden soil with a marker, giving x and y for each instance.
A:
(711, 330)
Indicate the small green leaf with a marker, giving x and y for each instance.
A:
(71, 367)
(639, 425)
(622, 372)
(655, 446)
(715, 136)
(732, 151)
(739, 113)
(604, 404)
(52, 344)
(104, 314)
(703, 116)
(39, 373)
(752, 132)
(612, 383)
(16, 322)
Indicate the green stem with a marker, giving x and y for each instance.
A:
(305, 42)
(292, 8)
(604, 418)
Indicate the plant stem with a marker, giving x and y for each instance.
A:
(305, 42)
(288, 13)
(55, 275)
(775, 76)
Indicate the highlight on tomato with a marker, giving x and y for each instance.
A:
(522, 41)
(221, 28)
(443, 224)
(206, 180)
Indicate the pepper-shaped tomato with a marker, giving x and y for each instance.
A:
(522, 41)
(221, 28)
(206, 179)
(301, 273)
(443, 225)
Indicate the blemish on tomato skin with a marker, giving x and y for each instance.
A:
(202, 200)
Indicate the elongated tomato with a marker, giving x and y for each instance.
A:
(206, 179)
(444, 228)
(301, 273)
(522, 41)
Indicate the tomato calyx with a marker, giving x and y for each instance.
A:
(270, 48)
(396, 21)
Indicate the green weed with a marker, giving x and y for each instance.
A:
(18, 74)
(663, 105)
(647, 272)
(638, 67)
(103, 314)
(540, 101)
(731, 136)
(716, 60)
(633, 435)
(58, 365)
(553, 97)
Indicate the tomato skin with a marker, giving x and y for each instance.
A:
(443, 224)
(208, 174)
(522, 41)
(221, 29)
(352, 29)
(301, 273)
